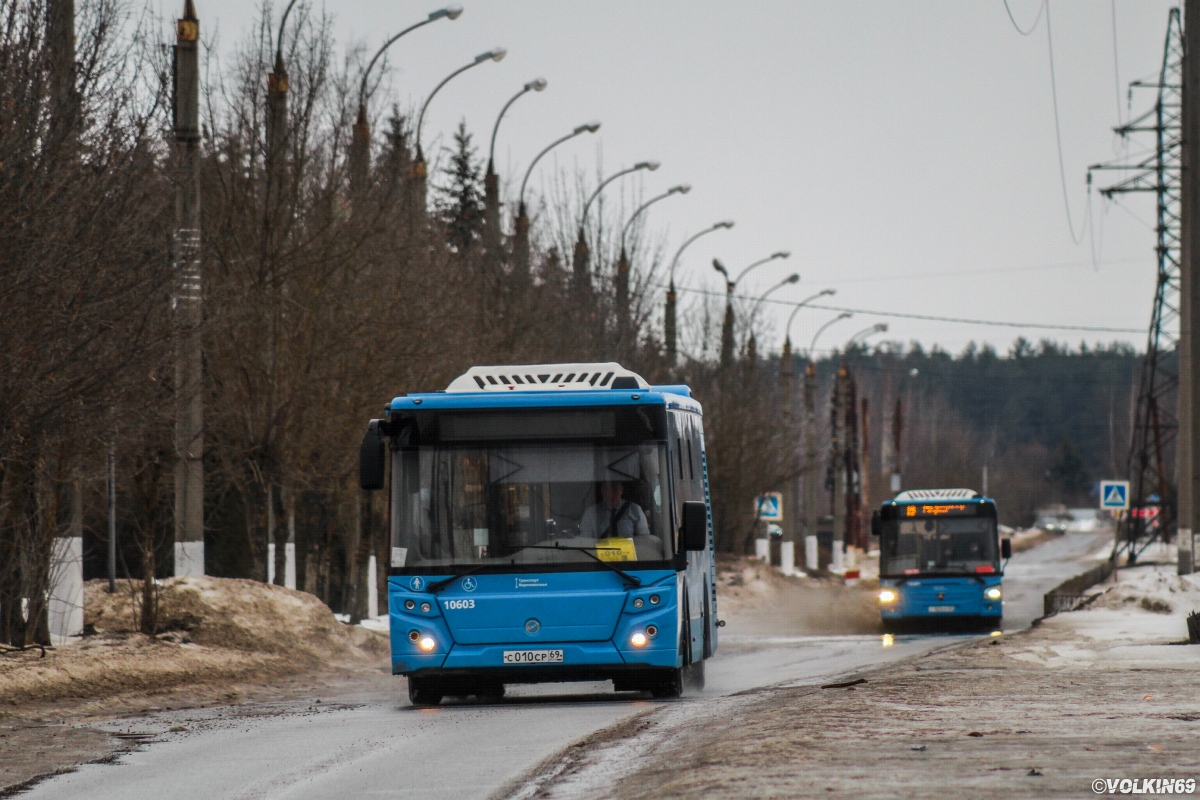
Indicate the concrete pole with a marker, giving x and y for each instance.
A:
(839, 469)
(112, 517)
(810, 466)
(622, 297)
(1189, 286)
(188, 302)
(289, 570)
(669, 326)
(360, 154)
(520, 247)
(581, 279)
(864, 475)
(791, 522)
(727, 329)
(277, 134)
(493, 239)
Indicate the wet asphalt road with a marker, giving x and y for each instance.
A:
(379, 746)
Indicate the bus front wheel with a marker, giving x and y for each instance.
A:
(669, 685)
(422, 692)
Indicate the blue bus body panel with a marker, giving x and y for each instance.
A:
(590, 616)
(560, 399)
(931, 597)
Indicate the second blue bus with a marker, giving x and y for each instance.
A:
(941, 561)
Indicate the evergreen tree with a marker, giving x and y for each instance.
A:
(461, 199)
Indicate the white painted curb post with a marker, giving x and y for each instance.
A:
(762, 549)
(66, 589)
(836, 567)
(372, 589)
(270, 563)
(787, 557)
(810, 553)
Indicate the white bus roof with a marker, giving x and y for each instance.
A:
(938, 494)
(546, 378)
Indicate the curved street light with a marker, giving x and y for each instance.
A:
(787, 331)
(587, 127)
(675, 261)
(535, 85)
(669, 330)
(647, 165)
(495, 54)
(449, 12)
(682, 188)
(865, 334)
(820, 330)
(790, 279)
(731, 284)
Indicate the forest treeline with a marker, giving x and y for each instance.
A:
(335, 278)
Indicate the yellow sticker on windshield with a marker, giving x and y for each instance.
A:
(616, 550)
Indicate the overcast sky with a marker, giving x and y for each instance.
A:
(904, 152)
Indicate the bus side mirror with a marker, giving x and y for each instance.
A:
(371, 458)
(1006, 549)
(695, 525)
(876, 524)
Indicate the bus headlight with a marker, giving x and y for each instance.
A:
(638, 639)
(427, 643)
(993, 593)
(888, 596)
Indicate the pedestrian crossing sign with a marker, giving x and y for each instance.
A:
(1114, 495)
(769, 507)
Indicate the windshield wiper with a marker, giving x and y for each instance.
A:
(632, 579)
(437, 586)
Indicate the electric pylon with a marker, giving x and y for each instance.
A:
(1156, 423)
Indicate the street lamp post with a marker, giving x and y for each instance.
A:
(669, 329)
(582, 279)
(491, 183)
(730, 285)
(810, 456)
(622, 279)
(793, 530)
(846, 457)
(751, 345)
(419, 169)
(521, 231)
(360, 150)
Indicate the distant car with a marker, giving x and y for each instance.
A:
(1051, 524)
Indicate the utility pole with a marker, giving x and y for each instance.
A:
(839, 469)
(791, 526)
(1189, 343)
(188, 302)
(669, 329)
(897, 432)
(810, 464)
(864, 473)
(622, 297)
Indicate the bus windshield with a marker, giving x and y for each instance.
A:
(504, 504)
(944, 545)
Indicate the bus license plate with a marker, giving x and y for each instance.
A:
(533, 656)
(940, 609)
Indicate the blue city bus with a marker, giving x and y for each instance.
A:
(548, 523)
(941, 561)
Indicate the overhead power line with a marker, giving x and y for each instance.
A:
(1036, 20)
(927, 317)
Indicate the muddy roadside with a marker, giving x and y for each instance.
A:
(1102, 694)
(225, 645)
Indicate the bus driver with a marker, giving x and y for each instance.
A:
(613, 516)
